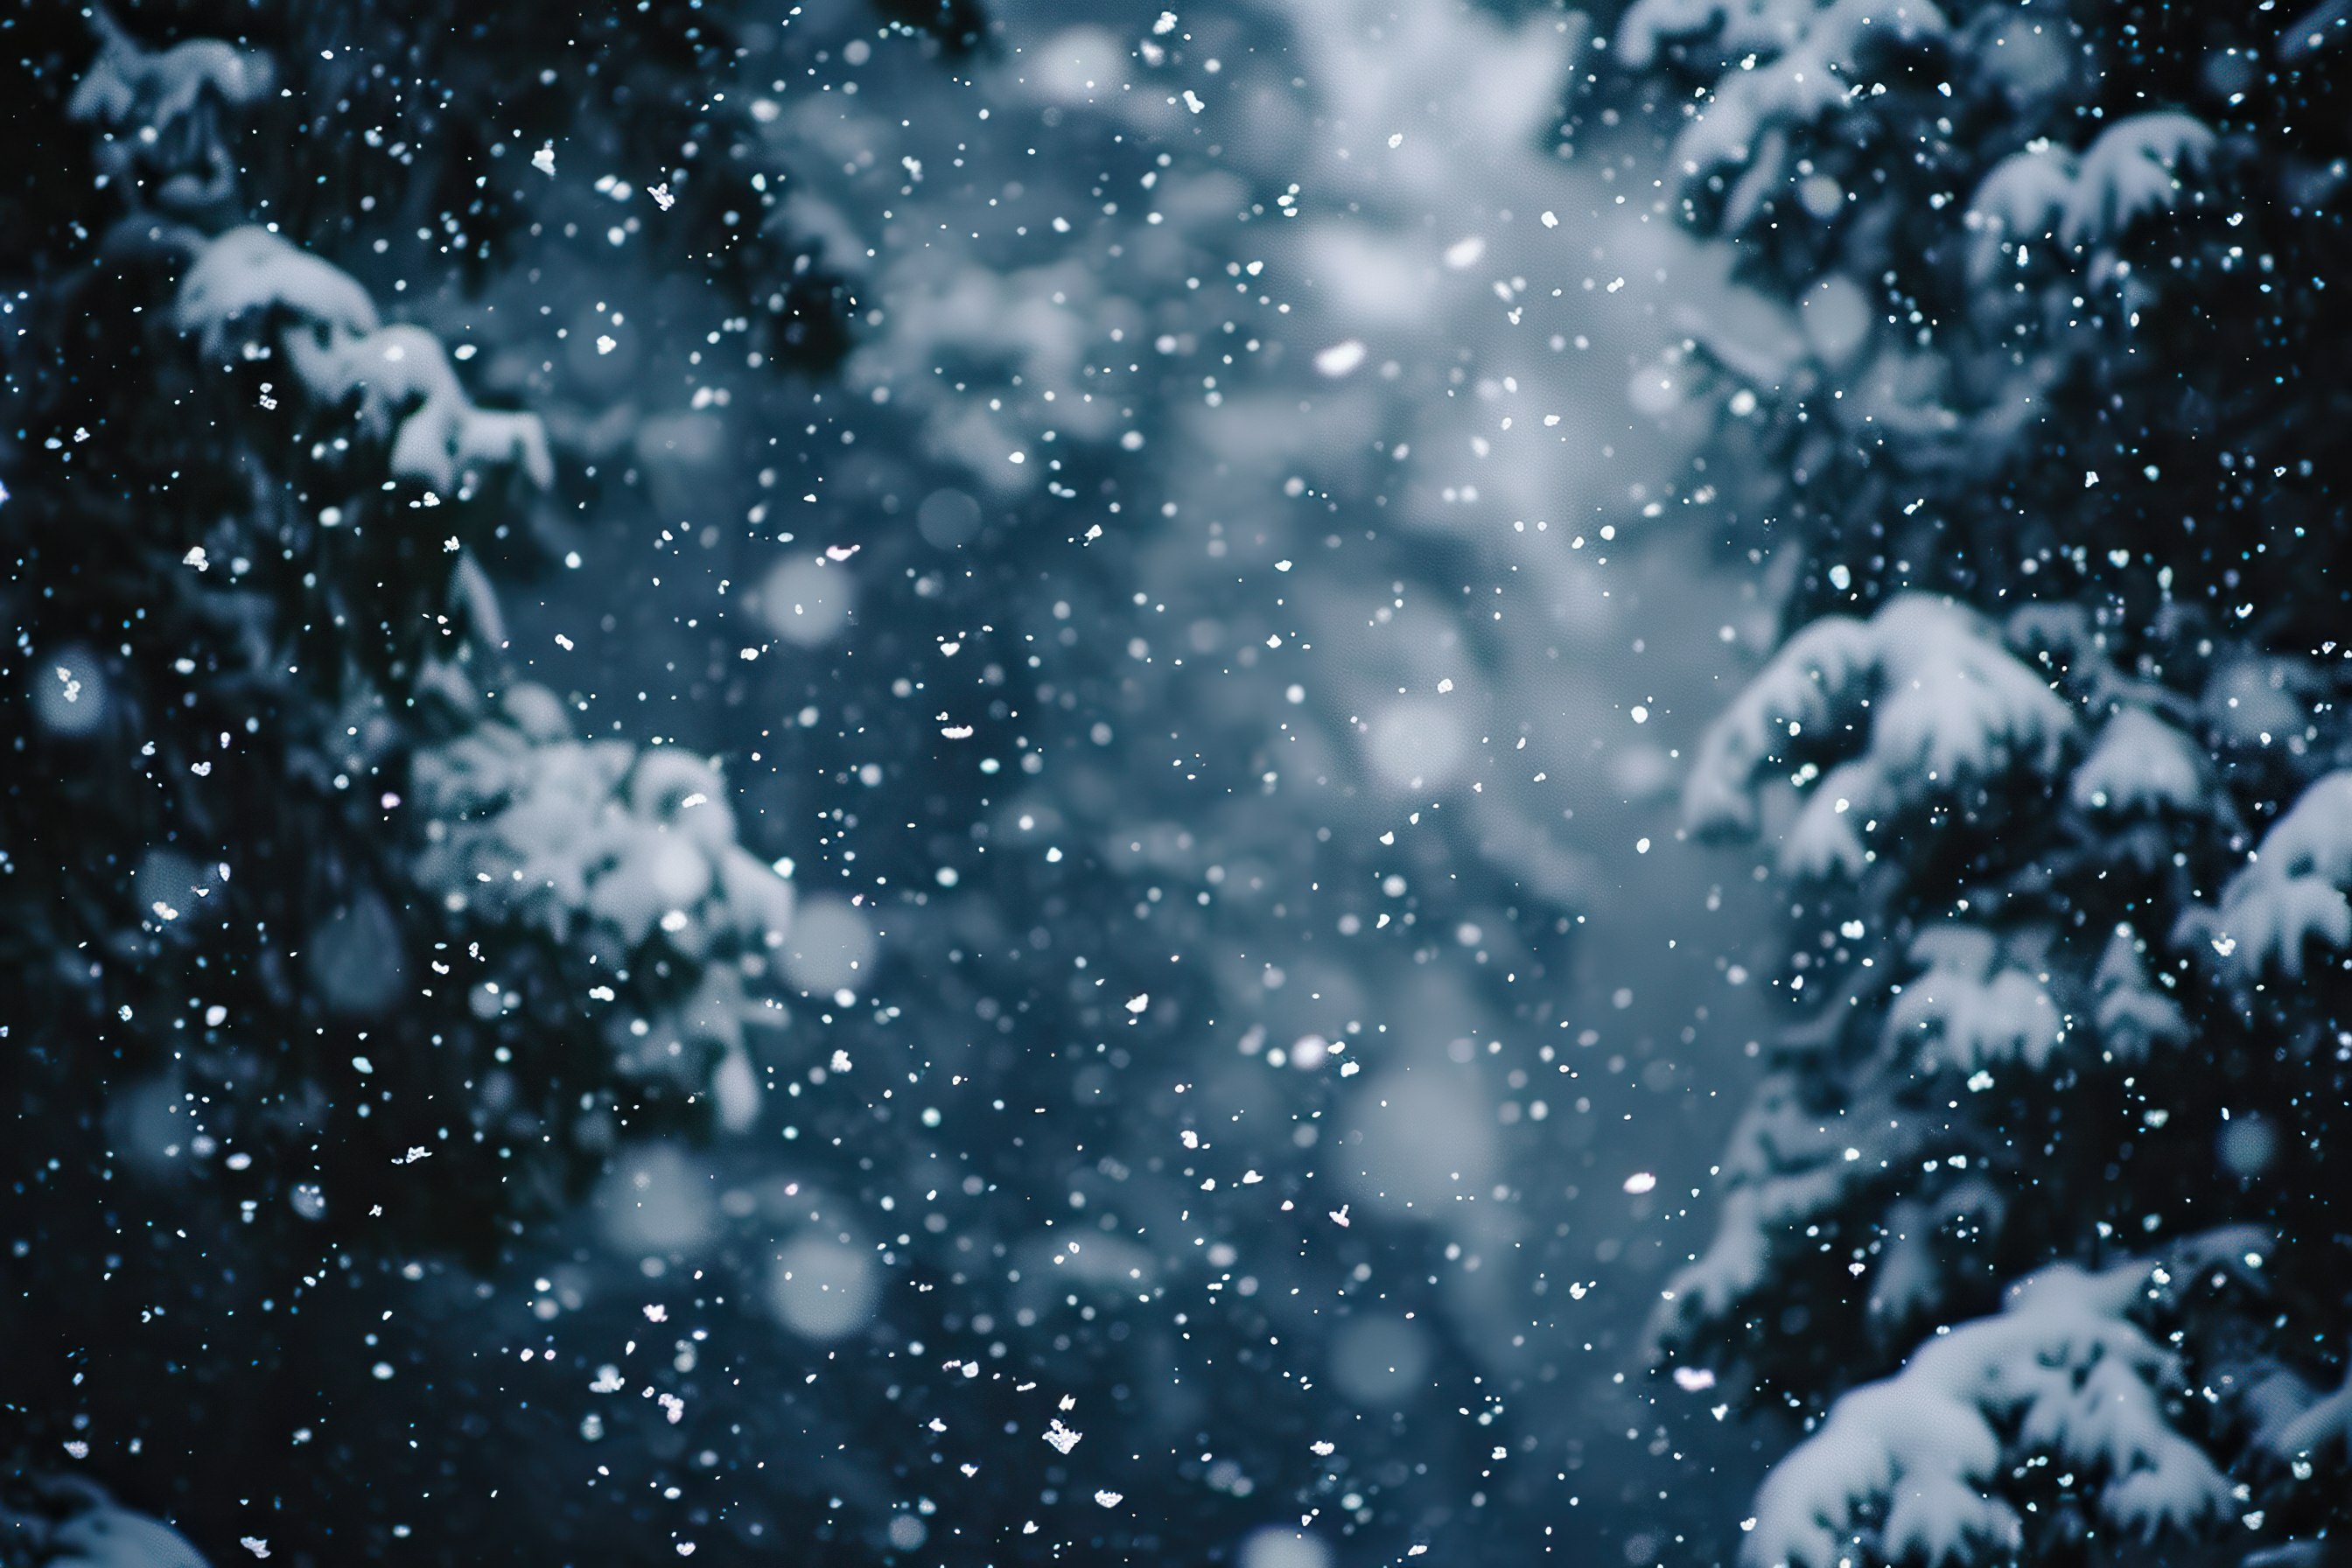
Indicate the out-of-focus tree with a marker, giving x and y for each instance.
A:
(334, 940)
(2051, 758)
(258, 640)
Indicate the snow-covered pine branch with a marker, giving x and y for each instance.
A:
(2308, 1424)
(1973, 1006)
(1801, 68)
(2129, 172)
(158, 113)
(2133, 1016)
(2292, 891)
(1912, 705)
(1791, 1163)
(2138, 763)
(626, 860)
(1912, 1468)
(1736, 28)
(319, 317)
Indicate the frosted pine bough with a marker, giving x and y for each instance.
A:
(1938, 706)
(605, 883)
(606, 852)
(2290, 895)
(1797, 64)
(326, 326)
(2128, 172)
(2083, 990)
(1799, 111)
(161, 112)
(66, 1521)
(625, 862)
(2061, 1377)
(1869, 1123)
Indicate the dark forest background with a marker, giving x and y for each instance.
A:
(1295, 785)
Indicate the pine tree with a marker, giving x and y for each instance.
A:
(338, 943)
(261, 641)
(2033, 1218)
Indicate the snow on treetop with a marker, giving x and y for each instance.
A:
(1936, 701)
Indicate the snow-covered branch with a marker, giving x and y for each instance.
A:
(1911, 1469)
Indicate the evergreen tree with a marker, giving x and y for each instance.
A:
(2031, 348)
(460, 933)
(333, 940)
